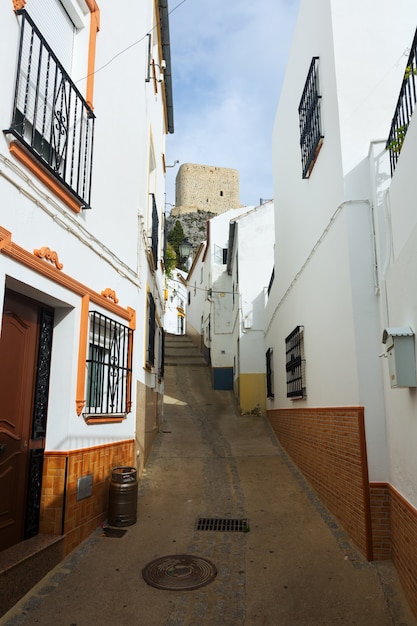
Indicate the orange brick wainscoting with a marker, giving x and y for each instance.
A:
(61, 513)
(394, 532)
(328, 446)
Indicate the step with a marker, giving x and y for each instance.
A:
(23, 565)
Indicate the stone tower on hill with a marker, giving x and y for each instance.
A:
(205, 188)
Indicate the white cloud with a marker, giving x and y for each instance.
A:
(228, 62)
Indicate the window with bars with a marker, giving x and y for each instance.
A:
(109, 366)
(150, 350)
(50, 117)
(161, 368)
(155, 232)
(220, 255)
(269, 374)
(311, 137)
(295, 363)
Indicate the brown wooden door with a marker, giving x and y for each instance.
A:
(18, 352)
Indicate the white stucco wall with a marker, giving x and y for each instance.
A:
(177, 299)
(103, 247)
(325, 256)
(397, 245)
(254, 247)
(196, 287)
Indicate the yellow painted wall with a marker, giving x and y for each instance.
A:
(252, 393)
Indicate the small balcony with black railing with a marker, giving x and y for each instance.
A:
(51, 121)
(404, 109)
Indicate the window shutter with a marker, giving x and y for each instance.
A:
(55, 26)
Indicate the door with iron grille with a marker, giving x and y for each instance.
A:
(25, 350)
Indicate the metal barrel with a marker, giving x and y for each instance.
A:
(123, 496)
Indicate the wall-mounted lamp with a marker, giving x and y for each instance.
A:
(185, 249)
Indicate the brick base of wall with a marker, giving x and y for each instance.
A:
(404, 544)
(328, 446)
(61, 513)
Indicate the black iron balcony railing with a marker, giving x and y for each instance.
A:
(155, 232)
(311, 137)
(50, 117)
(405, 107)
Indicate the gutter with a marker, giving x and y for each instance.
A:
(166, 55)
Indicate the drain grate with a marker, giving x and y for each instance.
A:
(223, 525)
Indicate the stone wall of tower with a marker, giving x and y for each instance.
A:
(205, 188)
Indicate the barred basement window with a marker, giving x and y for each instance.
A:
(269, 373)
(311, 137)
(295, 363)
(109, 367)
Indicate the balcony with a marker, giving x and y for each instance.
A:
(51, 120)
(405, 107)
(311, 137)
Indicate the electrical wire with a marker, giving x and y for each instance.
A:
(135, 43)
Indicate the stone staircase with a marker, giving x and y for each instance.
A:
(180, 350)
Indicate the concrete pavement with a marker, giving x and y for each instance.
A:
(295, 567)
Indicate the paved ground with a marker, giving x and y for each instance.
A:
(295, 567)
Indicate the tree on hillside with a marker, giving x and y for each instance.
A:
(170, 260)
(175, 237)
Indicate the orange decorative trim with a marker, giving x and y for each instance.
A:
(34, 263)
(103, 420)
(49, 255)
(82, 355)
(132, 319)
(7, 239)
(19, 4)
(101, 446)
(24, 157)
(30, 260)
(91, 63)
(110, 294)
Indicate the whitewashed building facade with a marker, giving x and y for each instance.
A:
(82, 181)
(250, 261)
(210, 300)
(343, 261)
(176, 303)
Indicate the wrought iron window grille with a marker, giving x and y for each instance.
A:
(269, 374)
(50, 117)
(311, 137)
(109, 367)
(405, 107)
(150, 351)
(154, 238)
(271, 281)
(161, 368)
(295, 363)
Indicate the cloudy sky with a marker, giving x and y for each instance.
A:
(228, 62)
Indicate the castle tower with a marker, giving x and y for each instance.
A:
(205, 188)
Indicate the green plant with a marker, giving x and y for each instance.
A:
(410, 70)
(170, 260)
(397, 143)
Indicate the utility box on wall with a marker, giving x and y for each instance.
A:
(400, 352)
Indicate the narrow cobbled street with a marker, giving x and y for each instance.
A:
(289, 563)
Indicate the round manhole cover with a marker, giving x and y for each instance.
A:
(179, 572)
